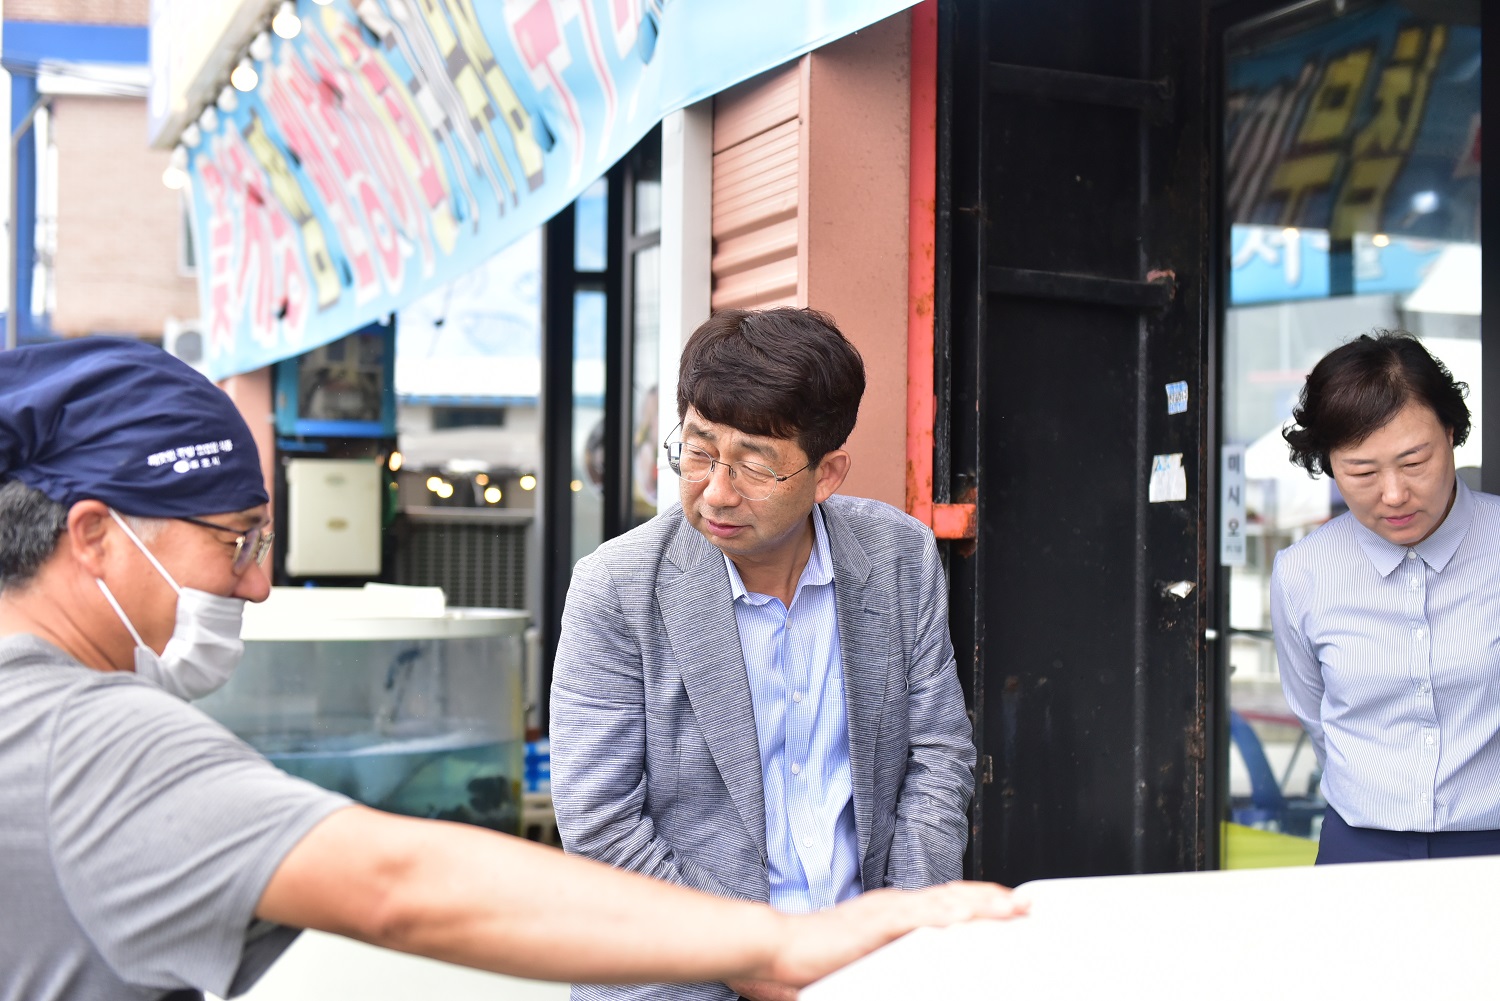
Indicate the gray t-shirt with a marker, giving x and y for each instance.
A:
(136, 837)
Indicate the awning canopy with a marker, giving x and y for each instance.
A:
(390, 147)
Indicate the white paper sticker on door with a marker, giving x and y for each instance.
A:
(1168, 478)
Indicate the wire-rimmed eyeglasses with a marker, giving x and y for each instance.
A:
(751, 480)
(249, 546)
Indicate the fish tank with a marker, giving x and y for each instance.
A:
(387, 695)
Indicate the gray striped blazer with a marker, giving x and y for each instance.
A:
(655, 765)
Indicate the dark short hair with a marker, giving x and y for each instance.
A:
(1357, 388)
(782, 373)
(30, 525)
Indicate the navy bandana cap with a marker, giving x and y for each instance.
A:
(121, 421)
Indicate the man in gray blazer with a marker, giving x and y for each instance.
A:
(754, 693)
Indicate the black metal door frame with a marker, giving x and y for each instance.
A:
(561, 281)
(1073, 169)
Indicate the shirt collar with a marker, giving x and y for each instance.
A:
(819, 569)
(1436, 550)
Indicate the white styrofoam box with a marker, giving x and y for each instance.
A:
(333, 517)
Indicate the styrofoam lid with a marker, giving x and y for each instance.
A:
(372, 612)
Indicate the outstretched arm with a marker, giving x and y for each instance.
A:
(498, 903)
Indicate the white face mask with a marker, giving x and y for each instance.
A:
(205, 647)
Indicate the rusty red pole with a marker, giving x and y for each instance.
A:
(948, 521)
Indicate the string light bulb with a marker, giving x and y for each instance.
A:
(175, 176)
(286, 23)
(244, 78)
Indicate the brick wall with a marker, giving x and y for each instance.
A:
(118, 226)
(80, 11)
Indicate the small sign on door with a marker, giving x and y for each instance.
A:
(1232, 506)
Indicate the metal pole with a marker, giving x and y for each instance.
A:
(12, 314)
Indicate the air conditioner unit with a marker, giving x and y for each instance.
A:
(183, 340)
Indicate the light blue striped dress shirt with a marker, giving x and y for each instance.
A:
(794, 662)
(1390, 656)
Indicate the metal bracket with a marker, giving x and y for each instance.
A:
(1153, 294)
(1151, 97)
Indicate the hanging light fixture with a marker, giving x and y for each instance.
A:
(260, 47)
(228, 100)
(208, 121)
(244, 77)
(191, 135)
(286, 23)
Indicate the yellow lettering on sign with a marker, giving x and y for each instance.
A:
(1331, 110)
(432, 13)
(518, 120)
(1313, 163)
(1379, 149)
(503, 95)
(288, 191)
(325, 279)
(1300, 177)
(465, 74)
(477, 102)
(283, 182)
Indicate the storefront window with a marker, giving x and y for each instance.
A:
(591, 228)
(587, 484)
(1352, 194)
(646, 437)
(643, 250)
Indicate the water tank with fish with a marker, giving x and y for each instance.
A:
(389, 696)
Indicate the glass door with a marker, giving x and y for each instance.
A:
(1351, 204)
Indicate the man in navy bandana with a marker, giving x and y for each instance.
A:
(147, 853)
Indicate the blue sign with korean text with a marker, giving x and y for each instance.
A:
(392, 146)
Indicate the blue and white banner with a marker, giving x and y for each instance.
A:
(393, 145)
(1281, 264)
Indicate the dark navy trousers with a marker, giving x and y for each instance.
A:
(1341, 843)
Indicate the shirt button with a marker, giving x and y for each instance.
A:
(796, 696)
(797, 769)
(1430, 741)
(1417, 633)
(1424, 689)
(807, 842)
(1411, 554)
(1415, 584)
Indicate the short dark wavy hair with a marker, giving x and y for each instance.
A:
(1357, 388)
(781, 373)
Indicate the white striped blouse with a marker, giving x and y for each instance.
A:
(1390, 656)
